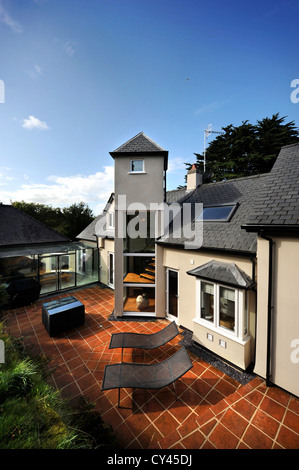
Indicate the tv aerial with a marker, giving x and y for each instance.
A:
(207, 132)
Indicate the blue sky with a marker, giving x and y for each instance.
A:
(82, 77)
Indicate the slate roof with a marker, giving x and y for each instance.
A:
(277, 203)
(225, 273)
(19, 228)
(224, 235)
(89, 232)
(139, 145)
(177, 195)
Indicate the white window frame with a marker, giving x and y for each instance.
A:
(239, 334)
(110, 219)
(131, 171)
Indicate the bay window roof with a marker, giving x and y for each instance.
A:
(224, 273)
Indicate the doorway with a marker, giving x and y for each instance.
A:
(172, 292)
(57, 272)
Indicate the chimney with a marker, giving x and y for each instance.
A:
(194, 178)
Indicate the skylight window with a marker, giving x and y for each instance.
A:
(218, 213)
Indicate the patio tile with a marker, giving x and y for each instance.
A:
(294, 405)
(149, 438)
(287, 438)
(265, 423)
(212, 410)
(165, 423)
(272, 408)
(244, 408)
(188, 425)
(170, 441)
(193, 441)
(207, 428)
(222, 438)
(234, 422)
(291, 420)
(256, 439)
(214, 397)
(278, 395)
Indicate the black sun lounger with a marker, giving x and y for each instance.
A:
(149, 376)
(143, 340)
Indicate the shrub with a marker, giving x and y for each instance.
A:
(35, 416)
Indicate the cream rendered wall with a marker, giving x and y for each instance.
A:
(144, 187)
(285, 314)
(239, 353)
(107, 246)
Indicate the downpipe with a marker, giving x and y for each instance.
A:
(270, 308)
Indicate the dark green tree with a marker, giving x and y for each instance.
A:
(69, 221)
(50, 216)
(272, 133)
(247, 149)
(76, 218)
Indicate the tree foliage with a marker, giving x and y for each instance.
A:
(68, 221)
(248, 149)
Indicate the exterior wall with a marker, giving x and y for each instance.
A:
(107, 246)
(236, 352)
(145, 188)
(285, 313)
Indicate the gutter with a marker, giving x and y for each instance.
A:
(270, 307)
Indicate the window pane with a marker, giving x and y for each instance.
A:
(227, 308)
(139, 269)
(207, 301)
(139, 300)
(140, 233)
(217, 212)
(137, 165)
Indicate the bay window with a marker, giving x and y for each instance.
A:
(222, 308)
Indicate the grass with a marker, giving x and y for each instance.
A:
(33, 415)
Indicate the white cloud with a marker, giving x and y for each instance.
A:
(36, 71)
(34, 123)
(211, 106)
(176, 164)
(6, 19)
(63, 191)
(69, 48)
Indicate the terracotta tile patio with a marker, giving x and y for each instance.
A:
(213, 410)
